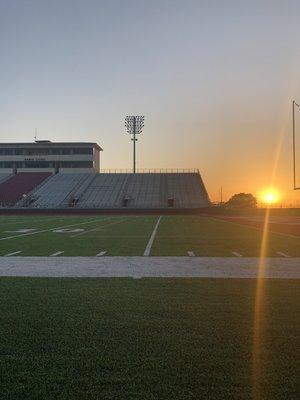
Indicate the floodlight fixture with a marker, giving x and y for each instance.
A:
(294, 146)
(134, 125)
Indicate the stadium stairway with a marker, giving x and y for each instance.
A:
(15, 187)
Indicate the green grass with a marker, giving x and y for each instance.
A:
(210, 237)
(144, 339)
(129, 235)
(117, 235)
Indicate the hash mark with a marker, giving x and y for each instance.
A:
(235, 253)
(56, 254)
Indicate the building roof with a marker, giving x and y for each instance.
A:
(46, 143)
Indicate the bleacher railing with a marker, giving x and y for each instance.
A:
(150, 170)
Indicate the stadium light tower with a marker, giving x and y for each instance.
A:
(134, 125)
(294, 146)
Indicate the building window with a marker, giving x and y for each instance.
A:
(66, 151)
(83, 150)
(8, 152)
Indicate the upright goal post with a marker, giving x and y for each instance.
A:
(294, 147)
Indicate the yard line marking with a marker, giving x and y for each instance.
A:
(191, 253)
(101, 254)
(27, 221)
(151, 240)
(236, 254)
(282, 254)
(47, 230)
(112, 223)
(12, 254)
(56, 254)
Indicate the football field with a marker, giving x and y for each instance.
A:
(201, 236)
(156, 337)
(119, 338)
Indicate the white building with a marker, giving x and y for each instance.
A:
(47, 156)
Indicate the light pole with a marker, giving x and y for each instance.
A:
(294, 145)
(134, 125)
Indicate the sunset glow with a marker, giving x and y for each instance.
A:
(270, 197)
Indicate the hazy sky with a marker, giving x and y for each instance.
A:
(214, 79)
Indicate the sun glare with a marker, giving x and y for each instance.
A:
(270, 197)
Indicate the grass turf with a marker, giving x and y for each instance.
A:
(128, 236)
(144, 339)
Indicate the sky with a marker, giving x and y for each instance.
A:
(214, 79)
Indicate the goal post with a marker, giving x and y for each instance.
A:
(296, 185)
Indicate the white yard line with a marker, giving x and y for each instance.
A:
(47, 230)
(235, 253)
(140, 267)
(191, 253)
(282, 254)
(152, 237)
(13, 254)
(28, 220)
(56, 254)
(102, 226)
(102, 253)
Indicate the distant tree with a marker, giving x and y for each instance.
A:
(242, 201)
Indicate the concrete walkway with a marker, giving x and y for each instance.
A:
(138, 267)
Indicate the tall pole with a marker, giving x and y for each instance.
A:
(134, 140)
(134, 125)
(294, 145)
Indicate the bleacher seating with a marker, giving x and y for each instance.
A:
(145, 190)
(59, 189)
(105, 190)
(3, 177)
(15, 187)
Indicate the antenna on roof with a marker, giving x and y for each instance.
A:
(35, 134)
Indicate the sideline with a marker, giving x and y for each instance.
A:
(149, 267)
(257, 228)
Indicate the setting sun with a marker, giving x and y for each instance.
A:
(270, 197)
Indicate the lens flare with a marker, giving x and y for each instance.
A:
(260, 314)
(270, 197)
(260, 305)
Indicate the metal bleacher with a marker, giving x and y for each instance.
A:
(144, 190)
(151, 190)
(19, 185)
(3, 177)
(59, 189)
(105, 191)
